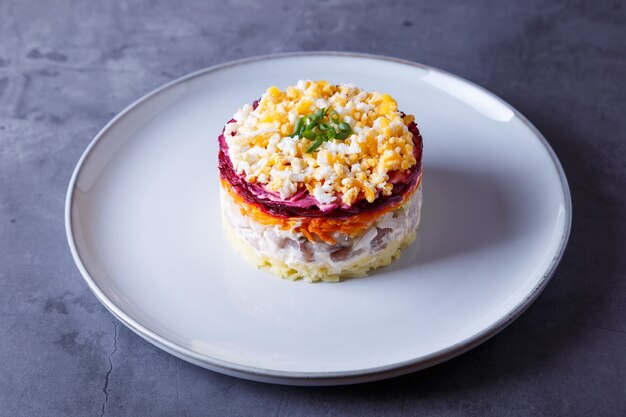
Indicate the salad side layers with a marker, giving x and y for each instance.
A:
(321, 181)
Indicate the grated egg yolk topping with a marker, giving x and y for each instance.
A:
(261, 145)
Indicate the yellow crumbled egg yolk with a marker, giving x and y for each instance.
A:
(357, 167)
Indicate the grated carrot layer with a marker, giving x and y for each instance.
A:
(314, 228)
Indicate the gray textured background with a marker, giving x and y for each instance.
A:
(67, 67)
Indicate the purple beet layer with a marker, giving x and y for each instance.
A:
(302, 204)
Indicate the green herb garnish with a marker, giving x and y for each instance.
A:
(314, 128)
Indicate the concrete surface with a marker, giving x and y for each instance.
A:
(66, 67)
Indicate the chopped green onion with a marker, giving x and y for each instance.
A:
(297, 131)
(314, 128)
(319, 114)
(315, 144)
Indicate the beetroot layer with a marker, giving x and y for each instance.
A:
(304, 205)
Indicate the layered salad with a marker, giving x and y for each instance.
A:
(320, 181)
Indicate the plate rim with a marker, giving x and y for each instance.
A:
(315, 378)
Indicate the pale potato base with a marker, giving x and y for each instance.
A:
(291, 267)
(312, 272)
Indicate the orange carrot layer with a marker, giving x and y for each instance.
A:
(321, 227)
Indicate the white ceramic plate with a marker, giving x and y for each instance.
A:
(144, 228)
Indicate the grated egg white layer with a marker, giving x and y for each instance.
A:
(260, 146)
